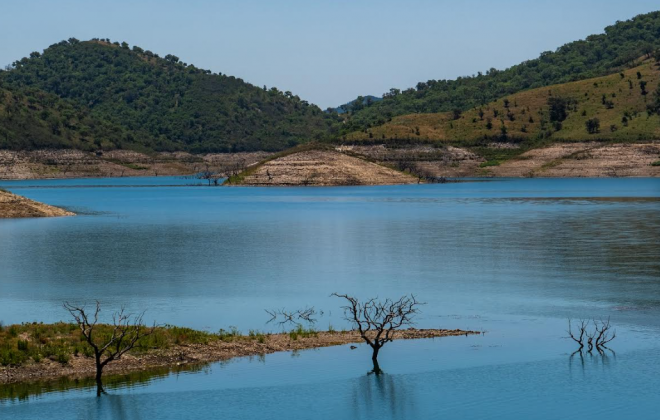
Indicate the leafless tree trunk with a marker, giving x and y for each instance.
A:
(127, 330)
(377, 321)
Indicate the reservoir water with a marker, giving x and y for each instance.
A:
(512, 258)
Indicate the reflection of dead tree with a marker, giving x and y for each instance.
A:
(292, 317)
(110, 343)
(377, 321)
(597, 338)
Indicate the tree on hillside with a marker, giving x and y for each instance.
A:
(593, 125)
(377, 321)
(558, 108)
(654, 107)
(108, 345)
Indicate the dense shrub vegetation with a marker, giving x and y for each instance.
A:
(160, 103)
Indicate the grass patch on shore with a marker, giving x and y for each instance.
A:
(27, 343)
(34, 342)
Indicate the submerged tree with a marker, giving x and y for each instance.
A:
(597, 338)
(377, 321)
(109, 343)
(210, 176)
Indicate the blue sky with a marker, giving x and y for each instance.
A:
(328, 52)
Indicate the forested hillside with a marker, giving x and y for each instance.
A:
(159, 103)
(618, 48)
(33, 119)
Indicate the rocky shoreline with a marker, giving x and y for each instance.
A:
(558, 160)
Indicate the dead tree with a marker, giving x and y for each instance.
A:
(603, 334)
(582, 328)
(597, 338)
(210, 176)
(377, 321)
(124, 333)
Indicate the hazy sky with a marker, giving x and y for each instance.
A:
(329, 51)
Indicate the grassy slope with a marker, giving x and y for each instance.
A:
(471, 129)
(28, 343)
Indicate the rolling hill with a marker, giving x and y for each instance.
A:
(159, 103)
(618, 48)
(620, 107)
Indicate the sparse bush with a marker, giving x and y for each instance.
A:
(22, 345)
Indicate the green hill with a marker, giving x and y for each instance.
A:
(620, 107)
(162, 103)
(618, 48)
(33, 119)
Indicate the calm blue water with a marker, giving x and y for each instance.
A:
(514, 258)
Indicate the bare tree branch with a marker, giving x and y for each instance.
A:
(127, 330)
(377, 321)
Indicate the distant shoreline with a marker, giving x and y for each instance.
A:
(557, 160)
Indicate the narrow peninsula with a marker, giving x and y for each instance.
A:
(42, 352)
(15, 206)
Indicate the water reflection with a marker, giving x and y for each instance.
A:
(114, 407)
(21, 392)
(373, 394)
(581, 360)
